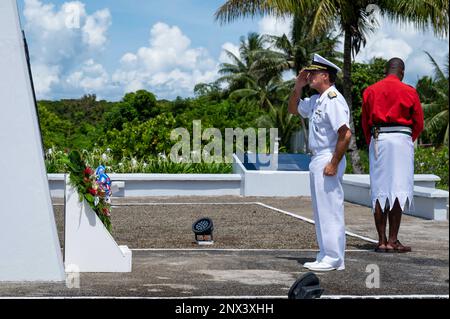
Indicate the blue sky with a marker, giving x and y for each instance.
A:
(164, 46)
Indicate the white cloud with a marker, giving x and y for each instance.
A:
(224, 58)
(91, 77)
(95, 28)
(405, 41)
(275, 26)
(169, 66)
(384, 46)
(67, 42)
(61, 39)
(44, 78)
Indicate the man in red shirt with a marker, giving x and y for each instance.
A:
(392, 119)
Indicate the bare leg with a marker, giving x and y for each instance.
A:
(395, 218)
(380, 223)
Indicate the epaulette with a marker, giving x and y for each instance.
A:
(332, 95)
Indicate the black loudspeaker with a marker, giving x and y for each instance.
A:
(306, 287)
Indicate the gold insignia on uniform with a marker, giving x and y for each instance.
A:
(332, 95)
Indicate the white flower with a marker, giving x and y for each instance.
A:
(104, 157)
(50, 151)
(162, 155)
(120, 164)
(133, 162)
(96, 200)
(108, 150)
(144, 165)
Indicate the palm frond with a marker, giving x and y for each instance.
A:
(437, 122)
(439, 75)
(325, 11)
(235, 9)
(423, 14)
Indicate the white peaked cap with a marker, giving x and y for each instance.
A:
(320, 63)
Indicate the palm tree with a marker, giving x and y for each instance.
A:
(355, 21)
(241, 70)
(257, 93)
(436, 111)
(279, 117)
(296, 50)
(250, 47)
(236, 73)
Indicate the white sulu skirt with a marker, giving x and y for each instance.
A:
(392, 171)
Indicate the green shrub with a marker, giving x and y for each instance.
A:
(56, 159)
(431, 160)
(427, 160)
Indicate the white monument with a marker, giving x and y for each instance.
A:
(89, 247)
(29, 245)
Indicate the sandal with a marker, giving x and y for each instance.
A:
(380, 249)
(397, 247)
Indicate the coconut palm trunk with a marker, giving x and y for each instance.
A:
(347, 92)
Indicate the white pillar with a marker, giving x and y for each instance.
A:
(29, 245)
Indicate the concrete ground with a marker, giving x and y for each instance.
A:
(258, 252)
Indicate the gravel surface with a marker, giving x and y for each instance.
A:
(235, 226)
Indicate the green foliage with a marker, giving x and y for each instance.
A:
(279, 117)
(434, 94)
(210, 91)
(72, 123)
(57, 162)
(363, 75)
(144, 103)
(140, 106)
(141, 139)
(118, 115)
(86, 109)
(431, 160)
(364, 156)
(427, 160)
(53, 128)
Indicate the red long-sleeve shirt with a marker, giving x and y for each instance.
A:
(391, 101)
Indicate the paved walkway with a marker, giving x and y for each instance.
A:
(230, 273)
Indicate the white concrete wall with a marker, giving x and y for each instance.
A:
(138, 185)
(276, 183)
(272, 183)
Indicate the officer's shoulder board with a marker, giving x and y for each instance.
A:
(332, 95)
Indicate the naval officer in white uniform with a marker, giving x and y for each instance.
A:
(329, 137)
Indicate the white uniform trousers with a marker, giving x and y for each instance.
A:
(328, 205)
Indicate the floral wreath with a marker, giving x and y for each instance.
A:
(93, 186)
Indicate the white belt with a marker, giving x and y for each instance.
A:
(388, 129)
(395, 129)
